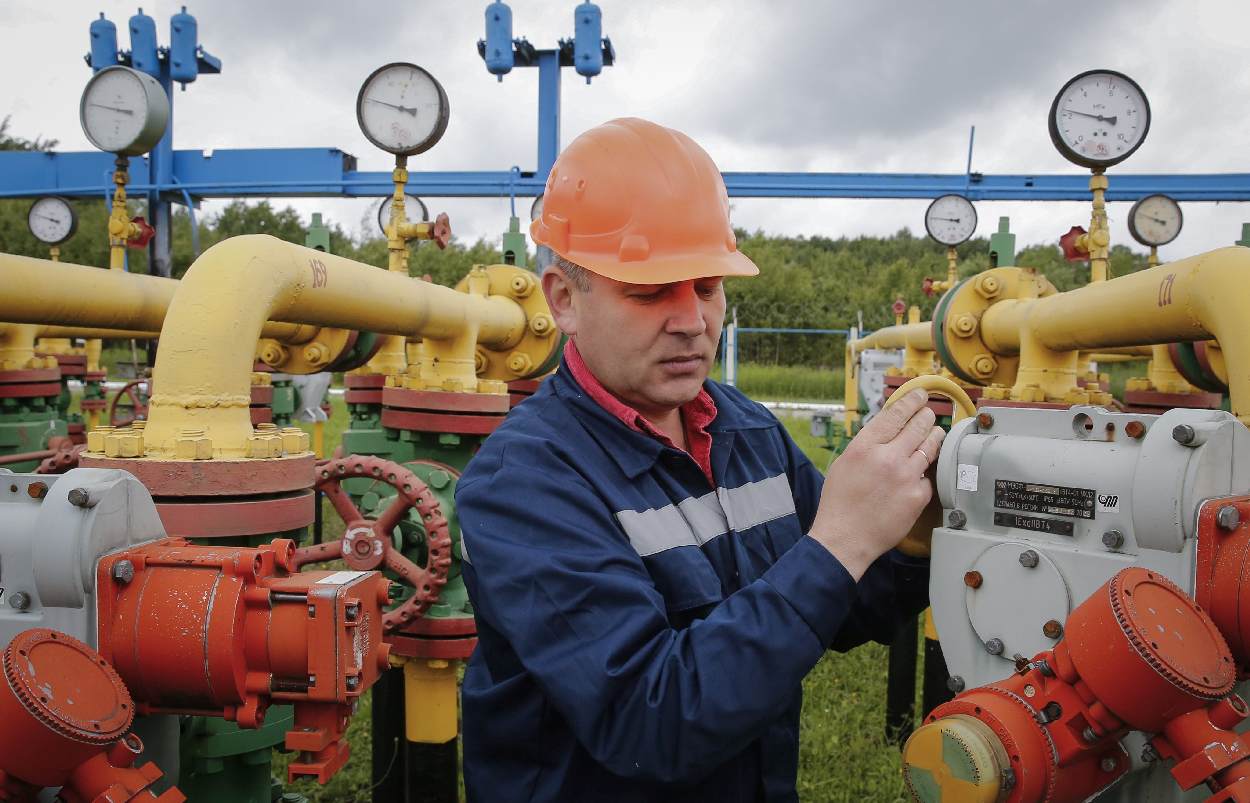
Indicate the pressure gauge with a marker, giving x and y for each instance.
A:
(124, 111)
(411, 204)
(52, 220)
(536, 209)
(1099, 118)
(402, 109)
(950, 219)
(1155, 220)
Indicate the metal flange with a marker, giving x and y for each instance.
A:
(538, 351)
(957, 336)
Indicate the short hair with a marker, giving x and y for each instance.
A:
(579, 276)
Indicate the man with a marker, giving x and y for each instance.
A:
(653, 563)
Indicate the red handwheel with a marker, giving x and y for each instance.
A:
(367, 543)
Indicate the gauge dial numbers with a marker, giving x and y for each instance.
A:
(413, 207)
(950, 219)
(402, 109)
(1099, 118)
(123, 111)
(1155, 220)
(52, 220)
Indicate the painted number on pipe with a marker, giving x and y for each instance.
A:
(1165, 289)
(319, 275)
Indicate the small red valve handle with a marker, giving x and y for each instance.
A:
(1072, 249)
(440, 232)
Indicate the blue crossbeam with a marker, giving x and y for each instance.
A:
(296, 172)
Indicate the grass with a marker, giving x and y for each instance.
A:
(786, 382)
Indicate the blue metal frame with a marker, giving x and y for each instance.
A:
(304, 172)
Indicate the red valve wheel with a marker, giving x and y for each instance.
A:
(366, 543)
(143, 236)
(130, 403)
(440, 233)
(1068, 244)
(927, 286)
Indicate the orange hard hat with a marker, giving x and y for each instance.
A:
(639, 203)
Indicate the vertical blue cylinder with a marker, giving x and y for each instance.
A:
(588, 40)
(183, 39)
(143, 55)
(103, 43)
(499, 39)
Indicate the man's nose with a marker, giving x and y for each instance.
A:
(686, 313)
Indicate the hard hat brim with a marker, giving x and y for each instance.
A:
(664, 270)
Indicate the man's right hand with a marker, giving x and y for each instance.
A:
(877, 488)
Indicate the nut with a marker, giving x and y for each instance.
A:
(1113, 539)
(1028, 559)
(264, 446)
(1134, 429)
(983, 365)
(988, 286)
(1228, 517)
(123, 443)
(541, 324)
(1184, 434)
(480, 360)
(1052, 629)
(1108, 764)
(37, 490)
(955, 683)
(520, 363)
(123, 571)
(994, 646)
(973, 579)
(985, 420)
(192, 444)
(295, 440)
(965, 325)
(95, 439)
(272, 353)
(316, 353)
(19, 601)
(78, 497)
(522, 285)
(957, 519)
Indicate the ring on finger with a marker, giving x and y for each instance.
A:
(927, 459)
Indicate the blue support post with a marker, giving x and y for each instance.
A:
(548, 110)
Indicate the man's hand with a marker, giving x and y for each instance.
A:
(875, 490)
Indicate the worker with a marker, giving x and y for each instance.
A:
(653, 563)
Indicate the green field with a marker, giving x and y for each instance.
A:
(844, 755)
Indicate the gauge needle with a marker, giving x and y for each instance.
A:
(113, 108)
(951, 219)
(58, 220)
(1157, 220)
(1097, 117)
(404, 109)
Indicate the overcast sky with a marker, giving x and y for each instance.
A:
(767, 86)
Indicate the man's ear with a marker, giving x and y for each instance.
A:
(559, 292)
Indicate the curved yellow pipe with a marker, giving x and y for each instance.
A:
(203, 369)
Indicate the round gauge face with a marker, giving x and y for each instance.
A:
(1155, 220)
(123, 111)
(1099, 118)
(52, 220)
(950, 219)
(413, 207)
(536, 210)
(402, 109)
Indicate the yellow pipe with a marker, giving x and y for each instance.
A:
(430, 694)
(57, 332)
(80, 297)
(1198, 298)
(203, 368)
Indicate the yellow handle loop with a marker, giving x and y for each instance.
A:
(940, 385)
(917, 541)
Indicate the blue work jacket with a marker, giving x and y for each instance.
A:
(643, 636)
